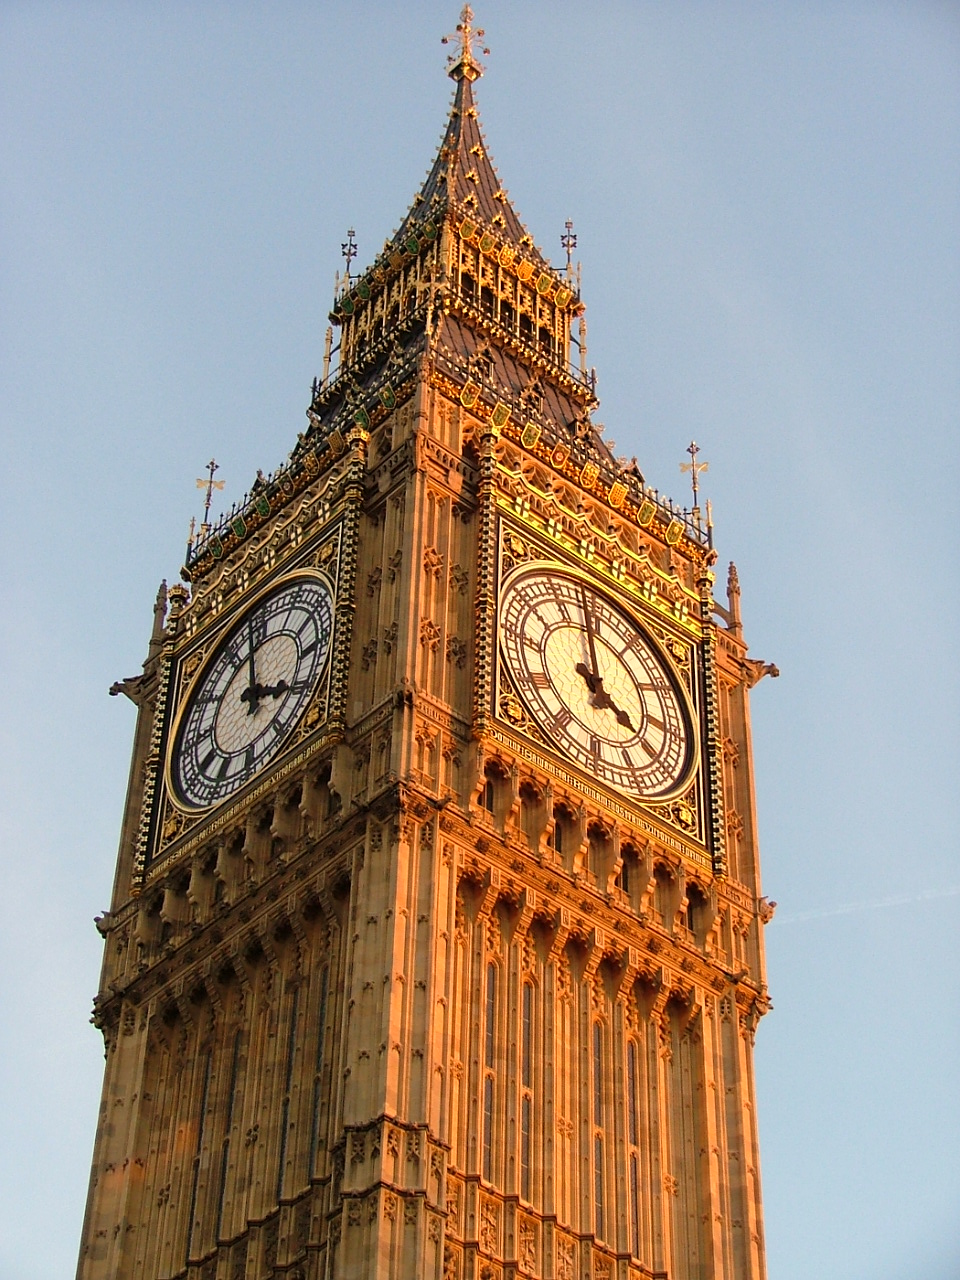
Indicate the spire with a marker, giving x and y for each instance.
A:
(463, 178)
(460, 276)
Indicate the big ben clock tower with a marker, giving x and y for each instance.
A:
(435, 942)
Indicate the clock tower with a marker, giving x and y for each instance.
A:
(435, 941)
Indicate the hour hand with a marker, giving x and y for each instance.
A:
(599, 696)
(594, 682)
(256, 692)
(622, 718)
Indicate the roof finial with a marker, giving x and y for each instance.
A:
(349, 251)
(209, 484)
(462, 65)
(694, 467)
(569, 242)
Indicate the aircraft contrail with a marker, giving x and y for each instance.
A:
(850, 908)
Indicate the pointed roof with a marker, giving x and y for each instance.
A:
(463, 175)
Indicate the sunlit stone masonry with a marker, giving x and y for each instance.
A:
(435, 947)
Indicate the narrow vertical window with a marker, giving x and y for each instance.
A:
(598, 1123)
(490, 1028)
(526, 1070)
(318, 1075)
(635, 1206)
(488, 1128)
(225, 1150)
(633, 1137)
(488, 795)
(205, 1089)
(597, 1076)
(489, 1046)
(633, 1119)
(526, 1098)
(287, 1084)
(526, 1107)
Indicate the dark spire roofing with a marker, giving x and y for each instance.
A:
(463, 175)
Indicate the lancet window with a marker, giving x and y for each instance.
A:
(318, 1073)
(526, 1091)
(489, 1050)
(598, 1137)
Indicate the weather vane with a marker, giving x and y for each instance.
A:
(569, 242)
(464, 36)
(349, 250)
(695, 468)
(209, 484)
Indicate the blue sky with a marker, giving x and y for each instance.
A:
(767, 200)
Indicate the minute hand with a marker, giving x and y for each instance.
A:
(251, 694)
(591, 639)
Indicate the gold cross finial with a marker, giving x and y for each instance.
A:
(349, 250)
(209, 484)
(462, 65)
(694, 467)
(569, 242)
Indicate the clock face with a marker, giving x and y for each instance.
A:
(595, 683)
(252, 691)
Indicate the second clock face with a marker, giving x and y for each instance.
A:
(252, 692)
(595, 683)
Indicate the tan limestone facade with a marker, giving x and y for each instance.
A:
(446, 965)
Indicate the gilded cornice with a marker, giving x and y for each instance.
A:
(571, 459)
(264, 549)
(318, 453)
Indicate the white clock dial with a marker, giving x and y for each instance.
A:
(252, 691)
(597, 686)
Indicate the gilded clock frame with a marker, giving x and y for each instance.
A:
(199, 675)
(677, 643)
(170, 823)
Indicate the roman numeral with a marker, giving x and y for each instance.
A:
(540, 680)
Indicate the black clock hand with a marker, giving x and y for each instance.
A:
(256, 692)
(273, 690)
(253, 693)
(622, 716)
(590, 636)
(600, 698)
(593, 678)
